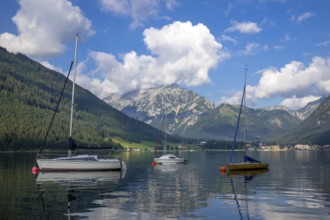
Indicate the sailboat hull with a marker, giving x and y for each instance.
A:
(80, 165)
(247, 166)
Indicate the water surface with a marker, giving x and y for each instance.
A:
(297, 185)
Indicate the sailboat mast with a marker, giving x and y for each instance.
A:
(165, 129)
(237, 124)
(244, 110)
(73, 88)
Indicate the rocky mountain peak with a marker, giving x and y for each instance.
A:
(181, 106)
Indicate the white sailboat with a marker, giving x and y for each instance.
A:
(168, 158)
(80, 162)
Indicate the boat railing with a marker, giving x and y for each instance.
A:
(51, 155)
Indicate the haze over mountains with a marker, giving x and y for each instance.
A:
(193, 116)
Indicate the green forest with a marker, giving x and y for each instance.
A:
(28, 96)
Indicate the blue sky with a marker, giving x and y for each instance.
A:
(200, 45)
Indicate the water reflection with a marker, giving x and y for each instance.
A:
(168, 168)
(76, 189)
(292, 188)
(80, 178)
(245, 177)
(247, 173)
(158, 192)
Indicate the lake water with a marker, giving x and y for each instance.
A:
(296, 186)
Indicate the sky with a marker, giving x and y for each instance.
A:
(203, 45)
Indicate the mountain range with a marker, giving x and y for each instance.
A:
(29, 93)
(181, 107)
(28, 96)
(193, 116)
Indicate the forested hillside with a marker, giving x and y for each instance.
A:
(28, 96)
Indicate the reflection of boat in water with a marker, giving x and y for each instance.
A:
(247, 172)
(80, 177)
(167, 167)
(75, 189)
(248, 176)
(237, 200)
(169, 159)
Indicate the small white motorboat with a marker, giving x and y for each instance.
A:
(169, 159)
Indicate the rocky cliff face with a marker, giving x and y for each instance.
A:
(181, 107)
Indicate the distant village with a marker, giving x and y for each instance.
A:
(250, 147)
(262, 147)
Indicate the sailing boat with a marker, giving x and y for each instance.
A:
(249, 163)
(168, 158)
(79, 162)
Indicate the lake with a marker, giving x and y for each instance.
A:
(296, 186)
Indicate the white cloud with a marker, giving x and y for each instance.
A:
(171, 4)
(278, 47)
(50, 66)
(293, 82)
(244, 27)
(304, 16)
(229, 9)
(228, 38)
(252, 49)
(116, 6)
(323, 44)
(267, 22)
(140, 11)
(180, 53)
(44, 27)
(234, 99)
(297, 103)
(295, 79)
(285, 38)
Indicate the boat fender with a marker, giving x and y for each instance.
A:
(223, 169)
(153, 163)
(35, 169)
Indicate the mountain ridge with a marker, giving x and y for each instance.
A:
(181, 107)
(301, 113)
(280, 119)
(314, 130)
(28, 95)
